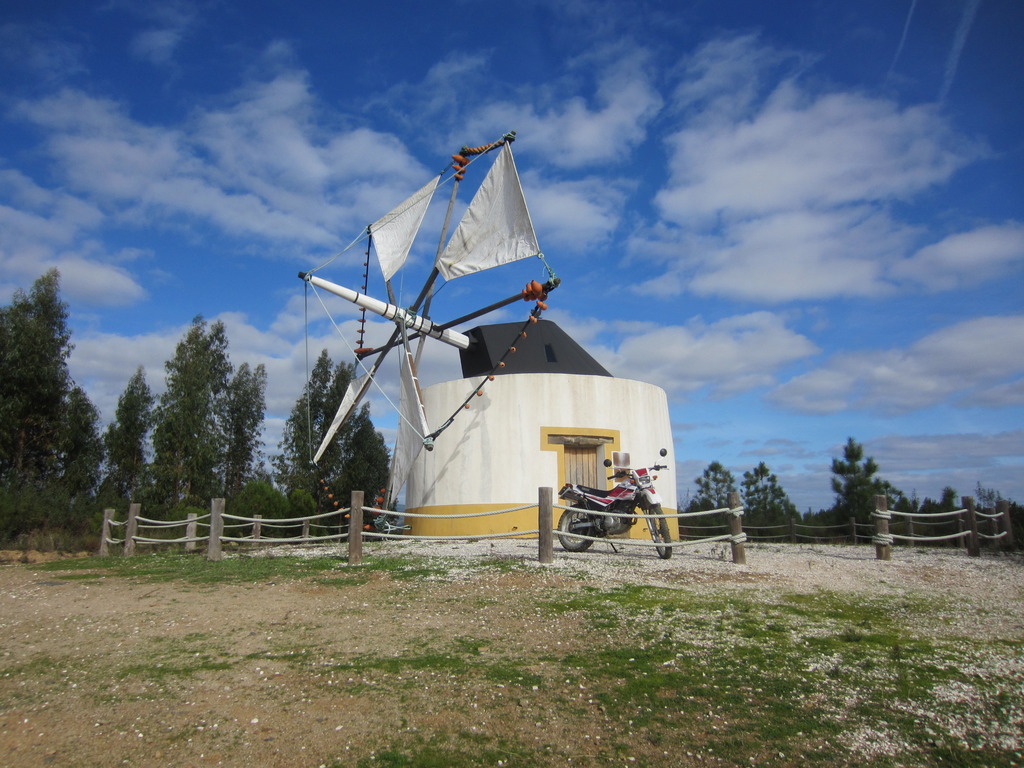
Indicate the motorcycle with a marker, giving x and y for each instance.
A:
(635, 490)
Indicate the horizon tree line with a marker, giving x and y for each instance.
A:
(200, 439)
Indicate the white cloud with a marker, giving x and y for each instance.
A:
(258, 167)
(803, 151)
(965, 258)
(730, 356)
(779, 192)
(572, 131)
(43, 229)
(574, 216)
(973, 363)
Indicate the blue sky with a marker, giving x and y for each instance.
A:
(804, 220)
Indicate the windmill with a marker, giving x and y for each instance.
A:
(495, 230)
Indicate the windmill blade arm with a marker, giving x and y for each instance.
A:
(413, 322)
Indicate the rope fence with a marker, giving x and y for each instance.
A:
(915, 528)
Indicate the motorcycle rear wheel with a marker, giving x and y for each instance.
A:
(659, 532)
(570, 522)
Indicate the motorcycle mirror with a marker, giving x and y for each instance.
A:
(663, 452)
(607, 462)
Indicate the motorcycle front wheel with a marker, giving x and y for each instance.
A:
(659, 532)
(574, 521)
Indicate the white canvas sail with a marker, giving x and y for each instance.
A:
(354, 393)
(393, 233)
(412, 428)
(496, 228)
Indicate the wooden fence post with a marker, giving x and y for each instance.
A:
(1003, 508)
(191, 528)
(910, 531)
(257, 527)
(853, 530)
(545, 525)
(108, 515)
(973, 550)
(213, 548)
(882, 538)
(739, 554)
(792, 530)
(305, 528)
(131, 529)
(355, 530)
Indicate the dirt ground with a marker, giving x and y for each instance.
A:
(118, 671)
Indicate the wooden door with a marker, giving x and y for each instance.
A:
(581, 466)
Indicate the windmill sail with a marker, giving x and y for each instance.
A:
(411, 429)
(393, 233)
(354, 393)
(496, 228)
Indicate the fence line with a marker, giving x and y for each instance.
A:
(140, 530)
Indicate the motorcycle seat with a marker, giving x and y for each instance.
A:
(593, 491)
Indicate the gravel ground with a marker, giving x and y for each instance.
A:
(992, 585)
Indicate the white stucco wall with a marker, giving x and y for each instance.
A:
(496, 453)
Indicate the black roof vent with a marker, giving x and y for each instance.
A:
(546, 349)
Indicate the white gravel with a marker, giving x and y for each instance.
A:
(984, 582)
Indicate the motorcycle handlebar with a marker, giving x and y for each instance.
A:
(625, 472)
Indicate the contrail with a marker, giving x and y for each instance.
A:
(966, 21)
(903, 39)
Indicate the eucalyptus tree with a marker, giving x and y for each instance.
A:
(35, 343)
(244, 410)
(189, 438)
(125, 438)
(356, 459)
(50, 449)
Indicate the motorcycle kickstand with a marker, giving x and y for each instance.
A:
(612, 545)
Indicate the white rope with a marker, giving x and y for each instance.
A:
(463, 537)
(882, 514)
(159, 523)
(272, 540)
(182, 540)
(112, 521)
(291, 520)
(917, 515)
(987, 515)
(999, 535)
(467, 514)
(947, 537)
(627, 514)
(885, 539)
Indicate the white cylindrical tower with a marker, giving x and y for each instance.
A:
(528, 430)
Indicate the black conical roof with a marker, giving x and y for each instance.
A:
(546, 349)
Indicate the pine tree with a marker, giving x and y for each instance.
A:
(714, 487)
(125, 438)
(764, 500)
(189, 439)
(855, 485)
